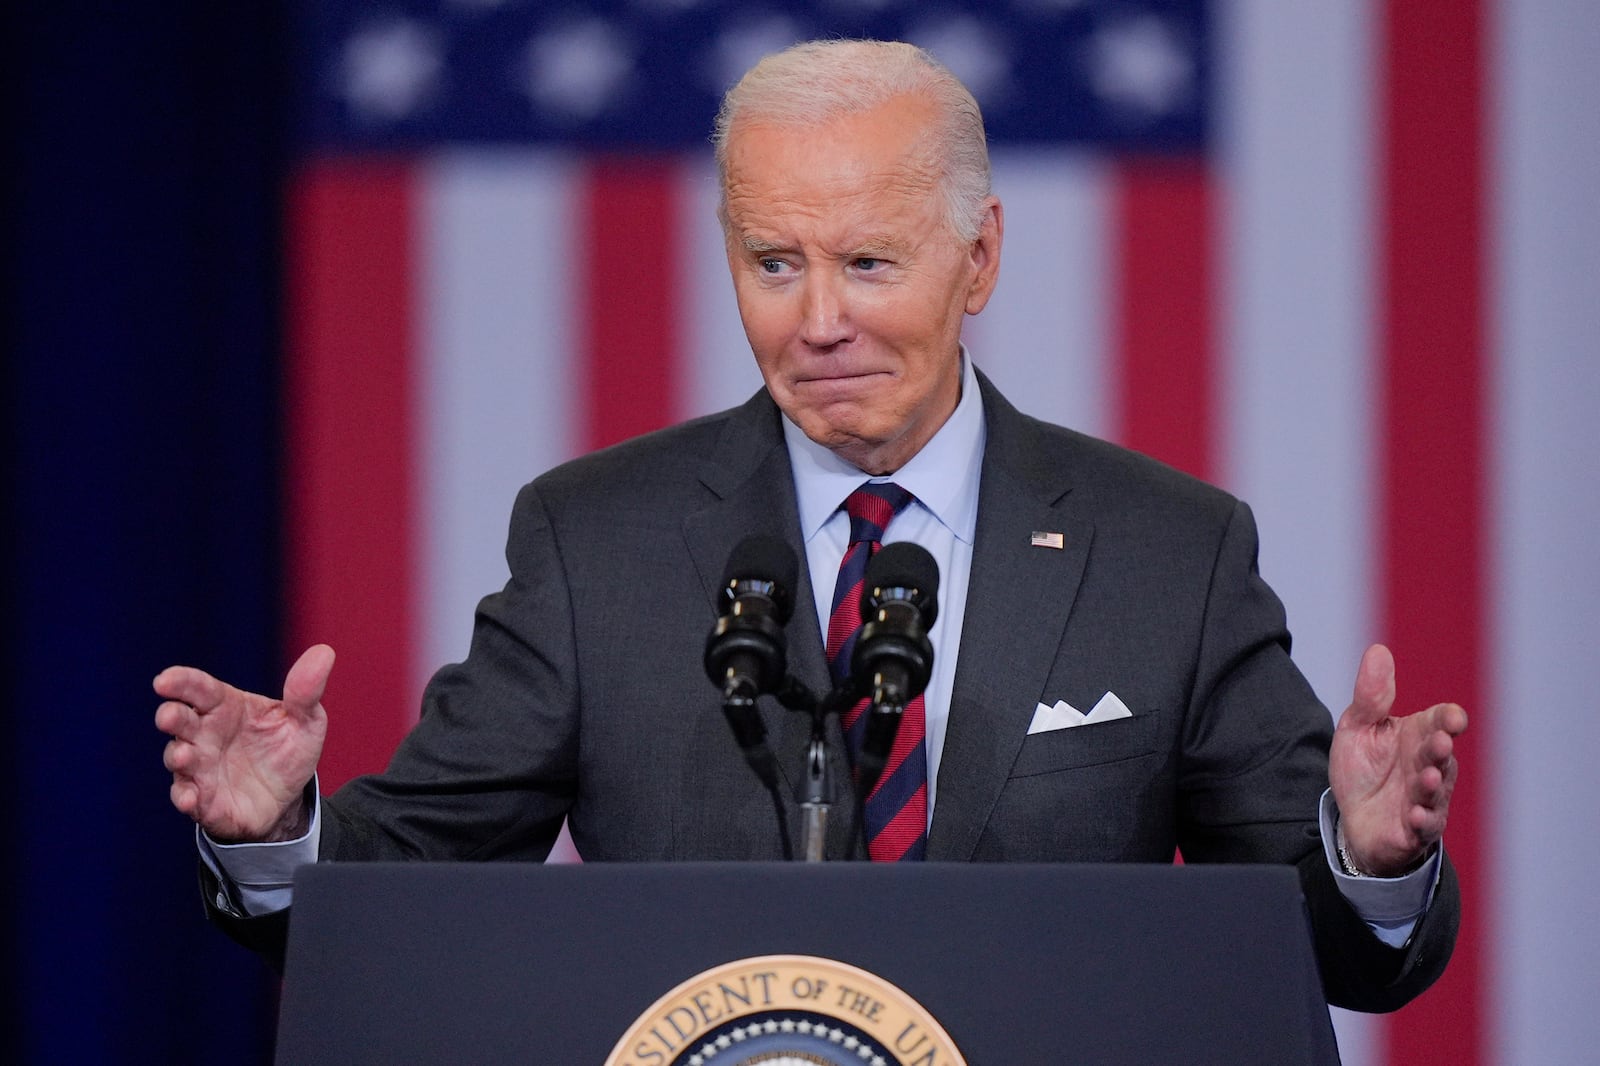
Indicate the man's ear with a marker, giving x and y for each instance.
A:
(985, 253)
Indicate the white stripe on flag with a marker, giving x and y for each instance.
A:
(722, 372)
(1043, 337)
(496, 382)
(1296, 163)
(1298, 389)
(1545, 604)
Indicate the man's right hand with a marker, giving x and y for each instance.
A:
(240, 762)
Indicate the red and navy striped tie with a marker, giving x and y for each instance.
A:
(896, 811)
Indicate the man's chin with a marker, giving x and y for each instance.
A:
(872, 452)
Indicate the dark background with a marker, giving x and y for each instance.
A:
(140, 385)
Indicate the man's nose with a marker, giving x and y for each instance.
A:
(825, 320)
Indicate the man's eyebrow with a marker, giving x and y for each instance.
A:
(869, 247)
(877, 246)
(758, 245)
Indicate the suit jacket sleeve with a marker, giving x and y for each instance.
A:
(490, 769)
(1241, 783)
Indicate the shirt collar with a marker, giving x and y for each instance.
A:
(943, 476)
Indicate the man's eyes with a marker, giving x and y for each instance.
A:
(862, 264)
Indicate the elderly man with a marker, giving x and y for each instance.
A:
(860, 230)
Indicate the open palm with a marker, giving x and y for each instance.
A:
(1392, 776)
(240, 761)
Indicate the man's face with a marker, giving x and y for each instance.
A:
(850, 284)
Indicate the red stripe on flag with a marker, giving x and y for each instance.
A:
(1162, 322)
(350, 551)
(1432, 588)
(631, 330)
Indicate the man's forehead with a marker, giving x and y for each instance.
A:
(859, 217)
(852, 180)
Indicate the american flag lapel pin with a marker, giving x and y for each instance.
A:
(1047, 540)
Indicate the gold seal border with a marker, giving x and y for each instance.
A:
(765, 984)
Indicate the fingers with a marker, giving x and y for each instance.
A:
(1435, 730)
(307, 680)
(1373, 698)
(185, 796)
(178, 720)
(1434, 770)
(180, 758)
(1427, 815)
(1449, 717)
(188, 685)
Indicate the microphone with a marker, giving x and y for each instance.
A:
(746, 654)
(893, 657)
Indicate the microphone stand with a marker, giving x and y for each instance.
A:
(815, 788)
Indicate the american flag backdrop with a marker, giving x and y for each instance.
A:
(1339, 258)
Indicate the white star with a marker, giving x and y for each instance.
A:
(389, 69)
(787, 1025)
(864, 1053)
(696, 1060)
(851, 1043)
(973, 52)
(576, 72)
(835, 1035)
(1141, 64)
(804, 1027)
(770, 1027)
(753, 1029)
(723, 1042)
(739, 1035)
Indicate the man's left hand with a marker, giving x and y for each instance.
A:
(1392, 776)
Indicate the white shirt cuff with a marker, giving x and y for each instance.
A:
(1391, 906)
(258, 879)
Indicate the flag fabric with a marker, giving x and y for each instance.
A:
(1337, 258)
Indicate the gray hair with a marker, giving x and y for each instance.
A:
(809, 84)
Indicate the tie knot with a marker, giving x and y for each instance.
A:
(870, 508)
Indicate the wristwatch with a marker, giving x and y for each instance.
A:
(1345, 861)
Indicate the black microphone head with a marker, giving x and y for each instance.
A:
(907, 566)
(766, 560)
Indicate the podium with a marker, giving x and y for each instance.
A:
(1087, 965)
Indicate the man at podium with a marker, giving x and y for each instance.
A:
(1111, 678)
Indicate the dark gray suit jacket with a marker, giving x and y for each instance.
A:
(583, 696)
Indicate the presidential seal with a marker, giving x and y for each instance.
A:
(785, 1010)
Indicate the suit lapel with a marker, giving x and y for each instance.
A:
(1018, 598)
(749, 474)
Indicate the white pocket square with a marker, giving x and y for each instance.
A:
(1065, 716)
